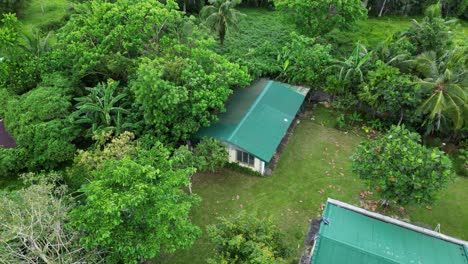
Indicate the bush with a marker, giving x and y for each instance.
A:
(400, 169)
(13, 6)
(38, 121)
(303, 61)
(432, 34)
(247, 239)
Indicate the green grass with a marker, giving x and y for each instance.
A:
(374, 30)
(260, 35)
(41, 12)
(450, 211)
(315, 159)
(315, 165)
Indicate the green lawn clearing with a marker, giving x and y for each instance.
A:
(42, 12)
(374, 30)
(315, 165)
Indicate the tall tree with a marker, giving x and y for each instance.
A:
(220, 16)
(103, 39)
(446, 81)
(185, 90)
(135, 208)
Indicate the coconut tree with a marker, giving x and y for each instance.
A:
(220, 16)
(445, 79)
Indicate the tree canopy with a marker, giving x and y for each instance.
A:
(400, 169)
(316, 18)
(135, 207)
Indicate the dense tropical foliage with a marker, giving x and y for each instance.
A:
(104, 103)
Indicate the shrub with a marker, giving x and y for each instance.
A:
(247, 239)
(400, 169)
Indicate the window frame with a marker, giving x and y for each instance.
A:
(245, 158)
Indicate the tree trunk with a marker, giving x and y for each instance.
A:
(401, 117)
(381, 9)
(190, 183)
(222, 34)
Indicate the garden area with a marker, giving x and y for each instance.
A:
(315, 165)
(105, 98)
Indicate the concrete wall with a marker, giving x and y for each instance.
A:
(259, 165)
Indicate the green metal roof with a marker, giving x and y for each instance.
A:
(258, 117)
(353, 237)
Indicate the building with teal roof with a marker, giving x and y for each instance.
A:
(256, 120)
(348, 234)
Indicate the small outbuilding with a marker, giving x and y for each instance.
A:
(256, 120)
(6, 140)
(349, 234)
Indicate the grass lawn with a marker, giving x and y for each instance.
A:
(315, 165)
(41, 12)
(374, 30)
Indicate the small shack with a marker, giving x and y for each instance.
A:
(256, 120)
(6, 140)
(349, 234)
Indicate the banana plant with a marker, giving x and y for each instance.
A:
(102, 109)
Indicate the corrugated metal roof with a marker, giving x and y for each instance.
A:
(353, 237)
(258, 117)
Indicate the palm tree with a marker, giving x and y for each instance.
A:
(221, 15)
(35, 44)
(101, 108)
(445, 79)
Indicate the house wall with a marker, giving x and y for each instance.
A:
(259, 165)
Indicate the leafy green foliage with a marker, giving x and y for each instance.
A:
(391, 94)
(319, 17)
(102, 109)
(352, 72)
(220, 16)
(456, 8)
(19, 69)
(212, 153)
(258, 41)
(400, 169)
(106, 148)
(247, 239)
(303, 61)
(99, 42)
(6, 96)
(13, 6)
(184, 90)
(432, 34)
(38, 121)
(135, 208)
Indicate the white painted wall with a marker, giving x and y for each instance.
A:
(259, 165)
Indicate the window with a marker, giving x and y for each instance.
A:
(245, 157)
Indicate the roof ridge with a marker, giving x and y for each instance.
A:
(260, 96)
